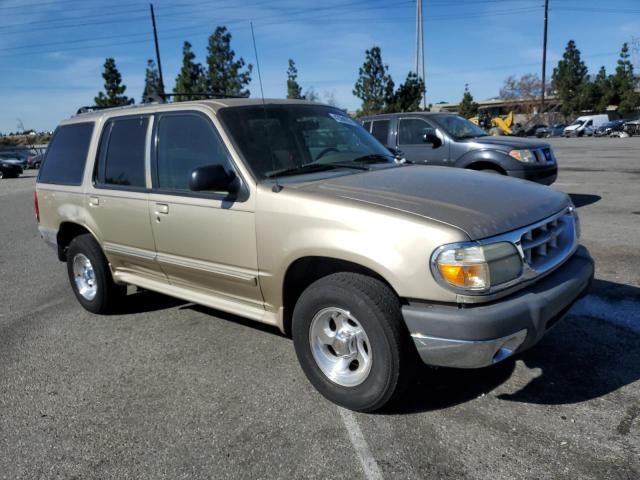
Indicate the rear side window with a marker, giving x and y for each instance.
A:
(367, 126)
(67, 155)
(121, 154)
(381, 130)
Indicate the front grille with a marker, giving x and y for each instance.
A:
(547, 244)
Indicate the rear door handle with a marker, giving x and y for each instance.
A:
(94, 201)
(162, 208)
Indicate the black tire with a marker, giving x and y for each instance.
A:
(108, 295)
(378, 310)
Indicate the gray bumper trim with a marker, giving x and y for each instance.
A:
(448, 352)
(473, 336)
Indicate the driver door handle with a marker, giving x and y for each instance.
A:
(162, 208)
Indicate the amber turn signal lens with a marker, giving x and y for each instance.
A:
(465, 276)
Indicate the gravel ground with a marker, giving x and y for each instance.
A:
(173, 390)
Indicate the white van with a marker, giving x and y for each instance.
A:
(585, 125)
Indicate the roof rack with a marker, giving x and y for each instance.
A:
(157, 99)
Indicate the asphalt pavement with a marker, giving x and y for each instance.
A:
(172, 390)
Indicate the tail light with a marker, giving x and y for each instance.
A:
(36, 207)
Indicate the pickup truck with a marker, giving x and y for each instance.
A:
(449, 140)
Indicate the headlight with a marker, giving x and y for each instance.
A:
(474, 268)
(526, 156)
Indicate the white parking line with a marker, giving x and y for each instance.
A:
(369, 464)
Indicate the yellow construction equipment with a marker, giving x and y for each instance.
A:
(501, 125)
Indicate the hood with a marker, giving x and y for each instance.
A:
(507, 143)
(572, 127)
(480, 204)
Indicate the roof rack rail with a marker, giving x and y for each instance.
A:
(91, 108)
(158, 99)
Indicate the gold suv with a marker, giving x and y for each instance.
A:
(291, 214)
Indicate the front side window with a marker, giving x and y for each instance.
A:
(67, 155)
(186, 141)
(458, 127)
(122, 152)
(291, 140)
(411, 131)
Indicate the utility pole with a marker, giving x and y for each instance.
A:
(419, 64)
(544, 56)
(155, 39)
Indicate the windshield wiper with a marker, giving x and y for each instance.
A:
(312, 168)
(373, 158)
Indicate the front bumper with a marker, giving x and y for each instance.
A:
(545, 174)
(473, 336)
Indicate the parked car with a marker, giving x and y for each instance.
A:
(632, 127)
(530, 131)
(609, 127)
(9, 169)
(554, 130)
(35, 161)
(291, 214)
(585, 125)
(15, 159)
(449, 140)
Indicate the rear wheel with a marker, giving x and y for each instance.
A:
(351, 341)
(90, 276)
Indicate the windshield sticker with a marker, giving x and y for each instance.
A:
(343, 119)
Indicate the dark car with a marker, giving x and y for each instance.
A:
(449, 140)
(554, 130)
(529, 131)
(9, 170)
(15, 159)
(607, 128)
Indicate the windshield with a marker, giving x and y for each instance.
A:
(288, 139)
(458, 127)
(577, 122)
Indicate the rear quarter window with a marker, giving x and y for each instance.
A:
(380, 130)
(67, 154)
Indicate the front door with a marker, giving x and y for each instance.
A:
(411, 141)
(206, 241)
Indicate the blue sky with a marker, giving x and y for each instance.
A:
(52, 51)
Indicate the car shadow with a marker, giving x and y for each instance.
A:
(146, 301)
(584, 199)
(229, 317)
(582, 358)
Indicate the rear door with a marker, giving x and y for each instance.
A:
(118, 199)
(206, 241)
(411, 132)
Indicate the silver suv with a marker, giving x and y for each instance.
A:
(291, 214)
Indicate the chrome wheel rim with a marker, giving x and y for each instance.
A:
(84, 277)
(340, 346)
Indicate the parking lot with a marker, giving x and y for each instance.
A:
(172, 390)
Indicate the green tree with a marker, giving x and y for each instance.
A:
(622, 84)
(569, 78)
(408, 95)
(374, 86)
(191, 79)
(225, 74)
(153, 90)
(467, 108)
(294, 90)
(595, 95)
(114, 90)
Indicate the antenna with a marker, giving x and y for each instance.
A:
(276, 187)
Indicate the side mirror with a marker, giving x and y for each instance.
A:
(431, 137)
(213, 178)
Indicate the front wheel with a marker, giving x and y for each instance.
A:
(90, 276)
(351, 341)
